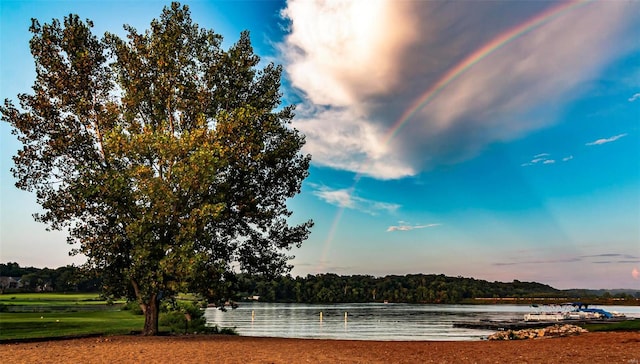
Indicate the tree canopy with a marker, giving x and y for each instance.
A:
(411, 288)
(168, 159)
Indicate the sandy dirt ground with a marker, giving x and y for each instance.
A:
(608, 347)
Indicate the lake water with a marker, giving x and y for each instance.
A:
(370, 321)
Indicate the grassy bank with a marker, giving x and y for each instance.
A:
(49, 297)
(30, 325)
(28, 316)
(55, 302)
(51, 315)
(629, 325)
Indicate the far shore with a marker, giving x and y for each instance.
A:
(552, 301)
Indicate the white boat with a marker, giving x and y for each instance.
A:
(571, 311)
(544, 316)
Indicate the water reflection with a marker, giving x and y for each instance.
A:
(363, 321)
(368, 321)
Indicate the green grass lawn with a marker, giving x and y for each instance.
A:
(48, 296)
(629, 325)
(52, 299)
(52, 315)
(57, 324)
(48, 315)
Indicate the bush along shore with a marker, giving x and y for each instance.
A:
(547, 332)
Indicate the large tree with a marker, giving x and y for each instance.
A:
(168, 159)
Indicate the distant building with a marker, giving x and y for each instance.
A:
(9, 283)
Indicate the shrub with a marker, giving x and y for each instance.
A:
(184, 317)
(227, 331)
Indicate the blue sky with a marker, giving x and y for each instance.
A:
(495, 140)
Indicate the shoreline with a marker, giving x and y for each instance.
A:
(620, 347)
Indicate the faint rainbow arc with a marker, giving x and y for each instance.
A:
(453, 74)
(477, 56)
(330, 235)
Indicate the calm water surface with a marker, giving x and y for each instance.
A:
(369, 321)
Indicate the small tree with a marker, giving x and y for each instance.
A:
(168, 159)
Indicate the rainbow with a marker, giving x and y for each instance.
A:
(454, 73)
(477, 56)
(327, 243)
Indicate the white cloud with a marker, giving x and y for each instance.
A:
(346, 198)
(607, 140)
(341, 139)
(342, 51)
(409, 227)
(542, 158)
(634, 97)
(359, 66)
(340, 198)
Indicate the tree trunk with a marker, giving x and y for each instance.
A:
(151, 313)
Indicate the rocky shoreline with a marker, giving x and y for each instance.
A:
(546, 332)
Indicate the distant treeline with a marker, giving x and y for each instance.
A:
(14, 278)
(412, 288)
(324, 288)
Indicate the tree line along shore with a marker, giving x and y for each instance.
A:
(333, 288)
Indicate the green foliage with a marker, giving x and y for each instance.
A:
(132, 306)
(412, 288)
(63, 279)
(13, 269)
(175, 322)
(184, 317)
(225, 331)
(171, 158)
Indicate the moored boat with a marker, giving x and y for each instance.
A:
(571, 311)
(544, 316)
